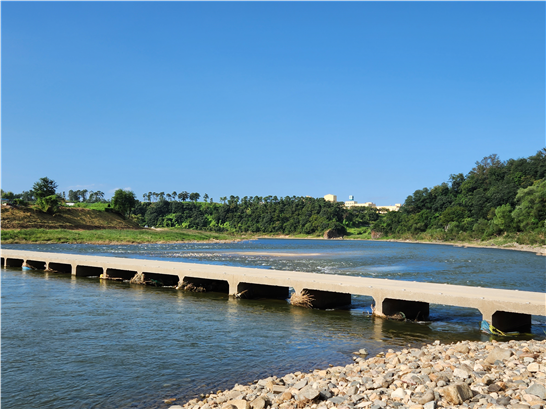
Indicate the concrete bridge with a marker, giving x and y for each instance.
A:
(507, 310)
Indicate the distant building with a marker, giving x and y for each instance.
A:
(395, 208)
(353, 203)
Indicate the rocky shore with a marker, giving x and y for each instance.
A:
(467, 374)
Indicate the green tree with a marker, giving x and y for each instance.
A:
(44, 187)
(8, 195)
(124, 201)
(48, 204)
(194, 197)
(531, 209)
(503, 217)
(183, 196)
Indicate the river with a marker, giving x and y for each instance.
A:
(75, 342)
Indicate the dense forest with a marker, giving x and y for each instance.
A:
(270, 214)
(494, 199)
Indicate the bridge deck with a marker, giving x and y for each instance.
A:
(487, 300)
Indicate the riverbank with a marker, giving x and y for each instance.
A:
(538, 249)
(467, 374)
(177, 235)
(117, 236)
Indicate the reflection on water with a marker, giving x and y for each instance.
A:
(74, 342)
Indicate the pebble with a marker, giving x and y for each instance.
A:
(473, 375)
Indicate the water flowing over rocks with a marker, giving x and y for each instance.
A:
(467, 374)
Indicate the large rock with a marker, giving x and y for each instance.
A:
(461, 373)
(536, 390)
(456, 393)
(299, 385)
(257, 403)
(333, 234)
(461, 348)
(308, 393)
(498, 354)
(398, 393)
(427, 397)
(274, 388)
(286, 395)
(238, 403)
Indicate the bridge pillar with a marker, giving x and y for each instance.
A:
(508, 321)
(249, 290)
(413, 310)
(328, 299)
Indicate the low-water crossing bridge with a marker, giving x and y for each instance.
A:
(507, 310)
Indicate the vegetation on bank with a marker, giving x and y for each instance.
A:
(23, 236)
(496, 200)
(28, 217)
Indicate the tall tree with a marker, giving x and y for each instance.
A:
(44, 187)
(183, 196)
(124, 201)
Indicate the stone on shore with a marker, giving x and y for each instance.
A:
(456, 393)
(537, 390)
(472, 375)
(498, 354)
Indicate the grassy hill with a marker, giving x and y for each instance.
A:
(83, 225)
(66, 218)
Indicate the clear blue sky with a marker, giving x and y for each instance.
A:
(281, 98)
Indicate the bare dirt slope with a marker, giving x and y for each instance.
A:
(66, 218)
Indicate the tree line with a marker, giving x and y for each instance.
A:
(256, 214)
(496, 198)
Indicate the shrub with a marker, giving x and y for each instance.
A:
(48, 204)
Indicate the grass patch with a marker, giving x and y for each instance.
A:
(93, 206)
(362, 233)
(106, 236)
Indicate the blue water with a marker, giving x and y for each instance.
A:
(72, 342)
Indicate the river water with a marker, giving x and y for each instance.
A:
(72, 342)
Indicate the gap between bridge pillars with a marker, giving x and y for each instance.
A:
(250, 290)
(508, 321)
(413, 310)
(328, 299)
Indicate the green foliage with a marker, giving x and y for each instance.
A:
(93, 206)
(44, 187)
(124, 201)
(495, 198)
(503, 217)
(108, 236)
(531, 209)
(266, 215)
(48, 204)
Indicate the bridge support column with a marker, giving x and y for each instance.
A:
(413, 310)
(328, 299)
(508, 321)
(248, 290)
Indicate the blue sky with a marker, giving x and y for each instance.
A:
(372, 99)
